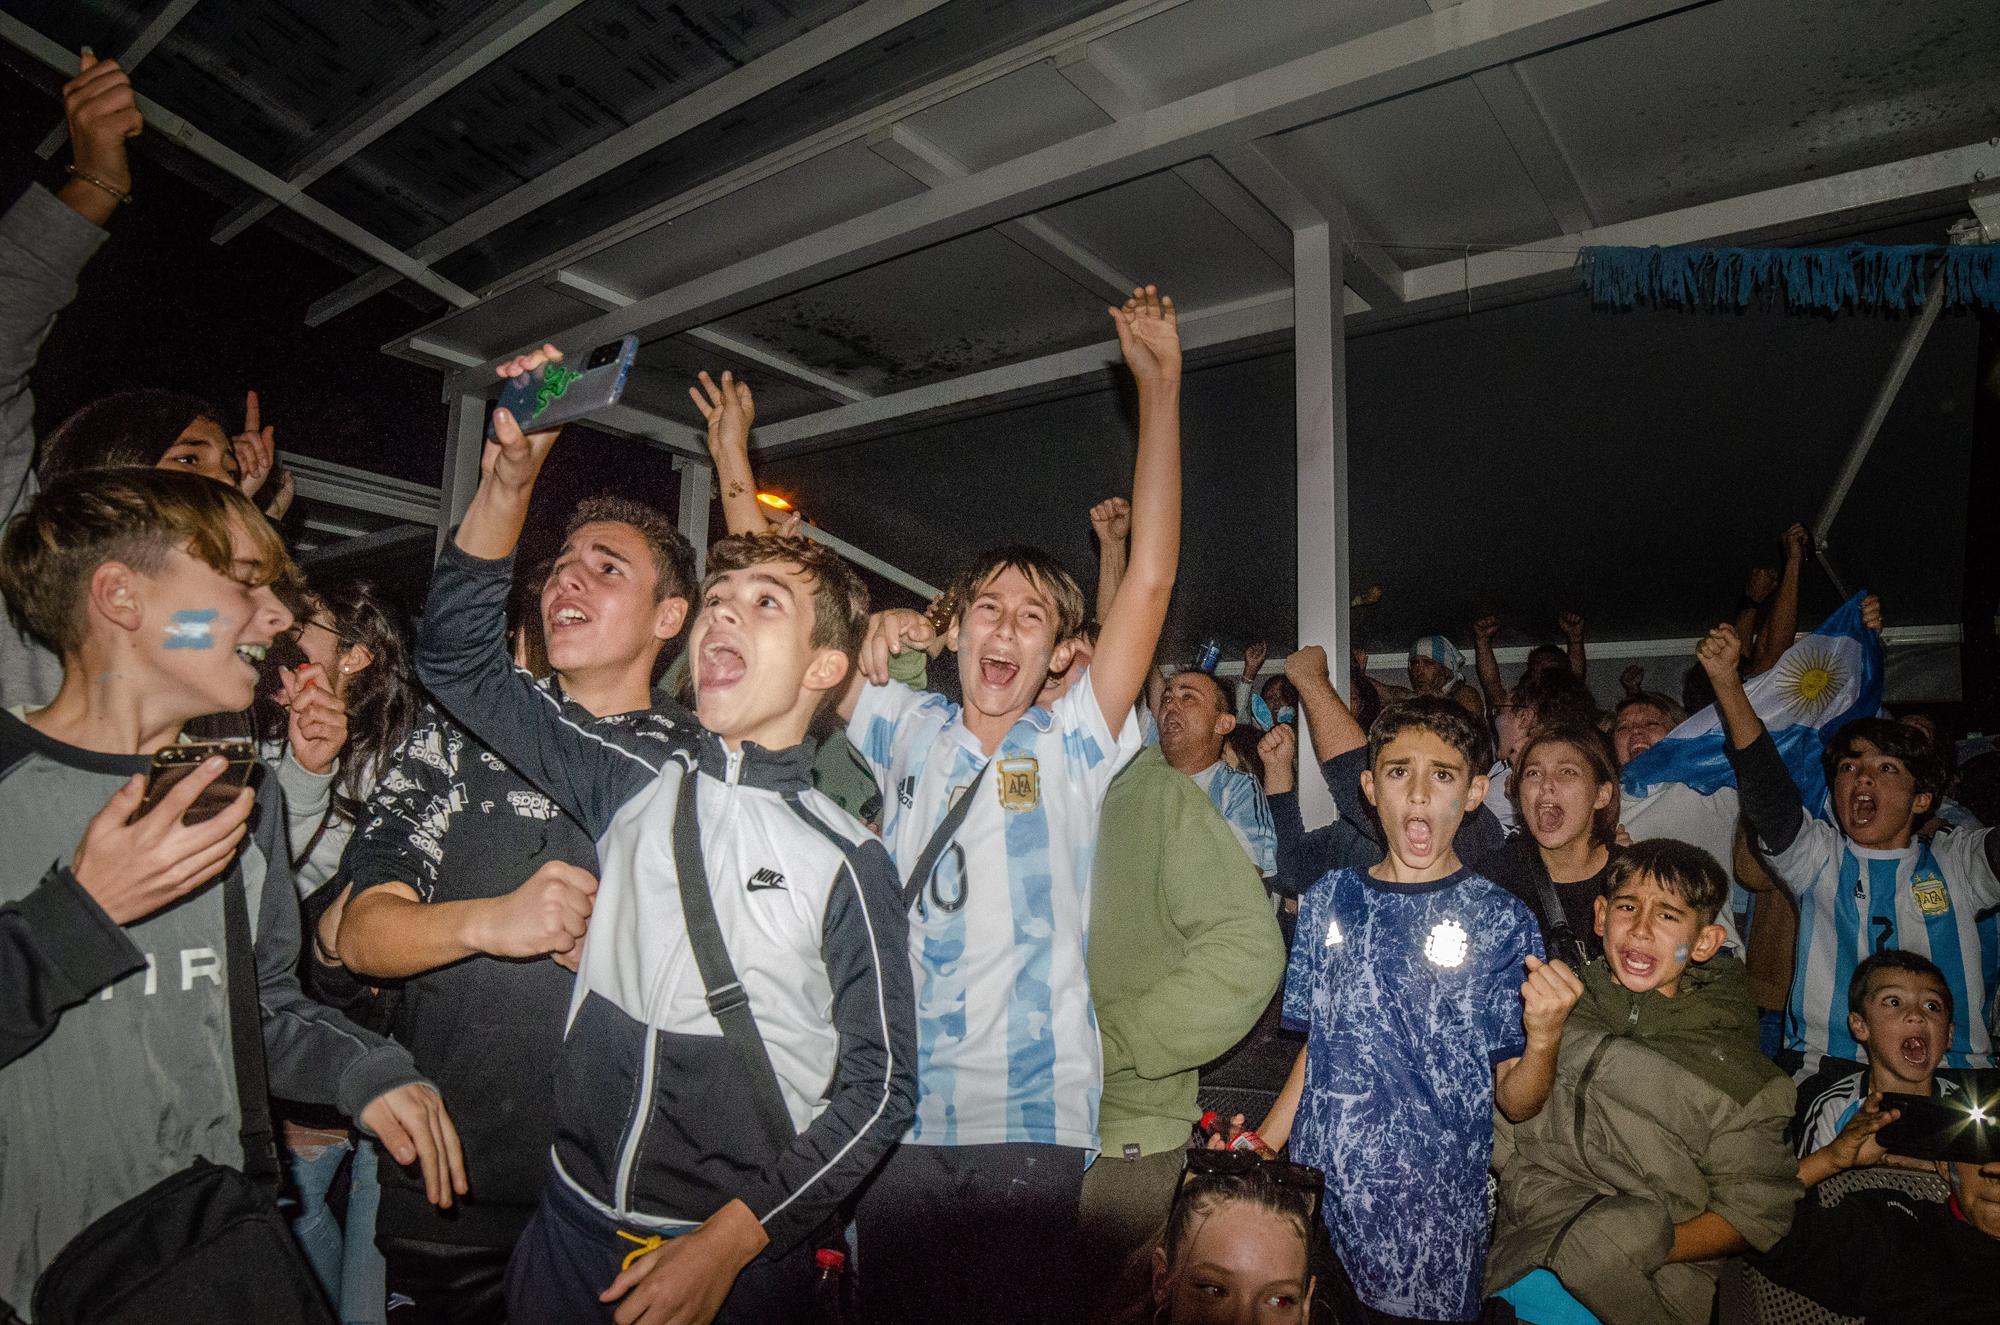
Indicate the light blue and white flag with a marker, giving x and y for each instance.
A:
(1828, 678)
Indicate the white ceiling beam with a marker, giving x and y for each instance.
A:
(594, 294)
(1299, 192)
(633, 421)
(1202, 329)
(1789, 212)
(164, 20)
(354, 489)
(1391, 62)
(855, 28)
(909, 151)
(1113, 88)
(168, 125)
(516, 25)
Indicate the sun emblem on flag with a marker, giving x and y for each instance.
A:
(1811, 678)
(1446, 944)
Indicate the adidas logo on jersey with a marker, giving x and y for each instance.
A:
(765, 879)
(906, 792)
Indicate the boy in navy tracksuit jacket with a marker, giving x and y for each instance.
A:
(669, 1199)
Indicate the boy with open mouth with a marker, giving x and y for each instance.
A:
(1899, 1009)
(1661, 1150)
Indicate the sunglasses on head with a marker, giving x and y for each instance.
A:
(1282, 1174)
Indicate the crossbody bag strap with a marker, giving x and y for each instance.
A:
(246, 1036)
(727, 1000)
(913, 886)
(1554, 919)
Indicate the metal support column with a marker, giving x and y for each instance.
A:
(465, 439)
(1319, 384)
(697, 480)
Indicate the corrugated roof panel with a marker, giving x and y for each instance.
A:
(268, 78)
(575, 83)
(1158, 230)
(1206, 42)
(1009, 117)
(666, 368)
(1722, 100)
(958, 307)
(1431, 167)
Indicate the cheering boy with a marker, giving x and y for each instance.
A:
(1662, 1097)
(1865, 883)
(1406, 979)
(116, 1064)
(696, 1155)
(989, 1178)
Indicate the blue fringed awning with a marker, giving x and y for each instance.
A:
(1852, 277)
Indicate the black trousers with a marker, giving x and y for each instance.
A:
(443, 1283)
(571, 1253)
(976, 1235)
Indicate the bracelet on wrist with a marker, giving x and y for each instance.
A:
(92, 180)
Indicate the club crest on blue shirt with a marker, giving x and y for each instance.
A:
(1927, 887)
(1020, 783)
(1446, 944)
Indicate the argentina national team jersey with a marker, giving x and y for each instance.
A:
(1409, 995)
(1007, 1045)
(1240, 801)
(1938, 899)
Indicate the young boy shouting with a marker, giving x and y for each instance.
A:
(1010, 1068)
(116, 1063)
(1406, 978)
(692, 1165)
(1899, 1010)
(1868, 884)
(1662, 1147)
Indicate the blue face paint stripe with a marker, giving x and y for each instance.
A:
(192, 629)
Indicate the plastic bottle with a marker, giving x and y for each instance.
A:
(833, 1289)
(1209, 657)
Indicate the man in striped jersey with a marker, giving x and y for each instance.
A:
(1868, 884)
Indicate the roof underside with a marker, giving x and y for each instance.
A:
(890, 213)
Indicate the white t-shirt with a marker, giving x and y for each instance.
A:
(1678, 811)
(1240, 801)
(1497, 799)
(1007, 1043)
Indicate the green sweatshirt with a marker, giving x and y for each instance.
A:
(1184, 952)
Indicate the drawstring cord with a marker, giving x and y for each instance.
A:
(646, 1244)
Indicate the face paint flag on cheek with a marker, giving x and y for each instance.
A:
(192, 630)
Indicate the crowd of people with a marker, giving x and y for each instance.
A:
(624, 944)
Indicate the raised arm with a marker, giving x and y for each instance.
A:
(1781, 626)
(1771, 804)
(730, 409)
(1486, 662)
(1111, 522)
(1750, 607)
(1149, 336)
(1333, 728)
(1571, 625)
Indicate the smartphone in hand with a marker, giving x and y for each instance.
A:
(177, 761)
(565, 391)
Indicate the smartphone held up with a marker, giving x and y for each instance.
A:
(565, 391)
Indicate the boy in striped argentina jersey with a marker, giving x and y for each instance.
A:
(1868, 884)
(975, 1213)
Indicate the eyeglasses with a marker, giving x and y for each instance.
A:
(299, 628)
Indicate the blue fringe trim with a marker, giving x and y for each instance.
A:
(1853, 277)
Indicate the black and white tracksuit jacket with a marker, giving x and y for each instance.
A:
(654, 1118)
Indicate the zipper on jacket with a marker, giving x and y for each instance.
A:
(1583, 1085)
(628, 1162)
(1555, 1245)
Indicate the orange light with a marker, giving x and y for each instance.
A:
(774, 501)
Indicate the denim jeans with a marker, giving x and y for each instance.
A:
(345, 1260)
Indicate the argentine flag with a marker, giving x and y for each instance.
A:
(1828, 678)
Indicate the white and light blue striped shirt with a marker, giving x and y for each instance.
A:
(1007, 1043)
(1240, 801)
(1939, 899)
